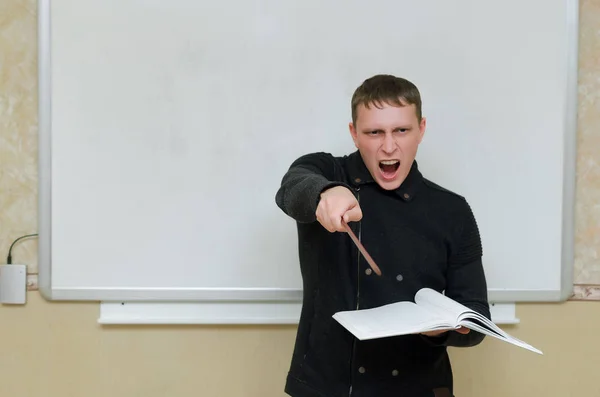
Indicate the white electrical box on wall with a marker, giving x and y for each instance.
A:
(13, 284)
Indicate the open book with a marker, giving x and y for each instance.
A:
(431, 311)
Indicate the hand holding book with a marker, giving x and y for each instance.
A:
(460, 330)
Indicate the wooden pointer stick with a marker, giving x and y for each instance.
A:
(362, 249)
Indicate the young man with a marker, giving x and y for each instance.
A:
(419, 234)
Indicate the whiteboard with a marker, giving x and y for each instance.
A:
(166, 126)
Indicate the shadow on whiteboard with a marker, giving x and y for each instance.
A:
(246, 312)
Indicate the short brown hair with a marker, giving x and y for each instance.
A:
(385, 88)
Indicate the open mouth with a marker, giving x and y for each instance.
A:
(389, 168)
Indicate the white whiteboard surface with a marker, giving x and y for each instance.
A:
(166, 126)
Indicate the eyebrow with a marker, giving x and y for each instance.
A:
(400, 127)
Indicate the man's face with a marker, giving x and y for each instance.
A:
(387, 140)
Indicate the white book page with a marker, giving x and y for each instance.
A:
(507, 338)
(470, 320)
(456, 312)
(399, 318)
(459, 314)
(467, 318)
(444, 306)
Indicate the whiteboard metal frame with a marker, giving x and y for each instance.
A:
(44, 151)
(570, 151)
(277, 294)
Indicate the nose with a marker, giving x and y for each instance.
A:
(389, 145)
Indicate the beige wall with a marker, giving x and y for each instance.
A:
(252, 361)
(587, 255)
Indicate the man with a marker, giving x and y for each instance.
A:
(419, 234)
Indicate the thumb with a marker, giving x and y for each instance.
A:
(354, 214)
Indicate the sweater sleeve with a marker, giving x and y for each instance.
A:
(302, 184)
(466, 281)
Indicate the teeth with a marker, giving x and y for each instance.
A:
(389, 162)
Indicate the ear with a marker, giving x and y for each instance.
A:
(353, 133)
(422, 128)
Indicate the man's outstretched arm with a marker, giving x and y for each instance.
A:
(301, 186)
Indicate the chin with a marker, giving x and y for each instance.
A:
(388, 184)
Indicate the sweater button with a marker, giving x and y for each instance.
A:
(399, 277)
(406, 195)
(368, 271)
(395, 372)
(362, 370)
